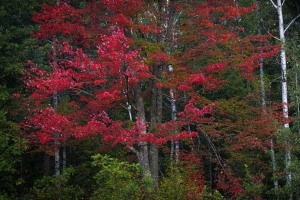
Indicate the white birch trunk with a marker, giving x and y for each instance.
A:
(174, 145)
(263, 103)
(283, 63)
(129, 111)
(173, 115)
(55, 104)
(284, 91)
(262, 83)
(56, 142)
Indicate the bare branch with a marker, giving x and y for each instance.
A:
(269, 32)
(133, 150)
(82, 91)
(291, 23)
(273, 4)
(283, 2)
(276, 38)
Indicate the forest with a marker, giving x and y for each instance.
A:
(149, 99)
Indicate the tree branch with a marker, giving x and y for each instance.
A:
(269, 32)
(83, 92)
(291, 23)
(214, 149)
(273, 4)
(133, 150)
(283, 2)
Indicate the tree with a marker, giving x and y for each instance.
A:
(12, 146)
(16, 47)
(113, 54)
(119, 180)
(46, 187)
(283, 63)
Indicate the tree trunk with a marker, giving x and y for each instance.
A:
(142, 151)
(263, 104)
(297, 99)
(57, 159)
(46, 164)
(284, 91)
(64, 157)
(174, 145)
(155, 117)
(298, 115)
(55, 104)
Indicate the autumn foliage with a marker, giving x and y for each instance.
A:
(101, 52)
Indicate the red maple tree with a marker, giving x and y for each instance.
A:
(112, 55)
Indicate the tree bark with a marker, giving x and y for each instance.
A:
(64, 157)
(174, 145)
(55, 104)
(155, 118)
(142, 151)
(57, 159)
(284, 91)
(46, 164)
(263, 104)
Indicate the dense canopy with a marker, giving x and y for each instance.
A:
(140, 99)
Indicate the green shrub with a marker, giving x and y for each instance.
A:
(52, 187)
(118, 180)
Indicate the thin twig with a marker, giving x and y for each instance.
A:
(291, 23)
